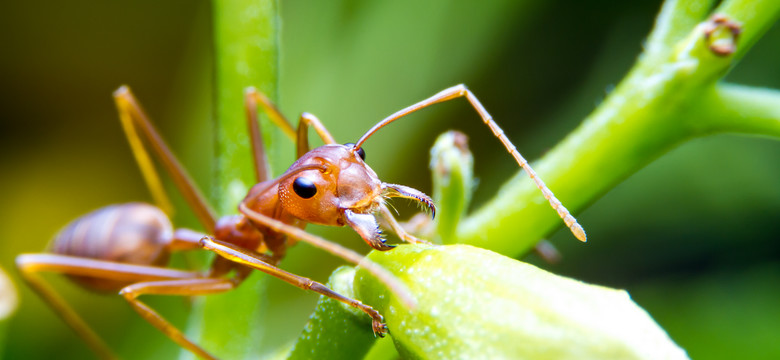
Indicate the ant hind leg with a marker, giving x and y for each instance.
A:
(30, 265)
(137, 127)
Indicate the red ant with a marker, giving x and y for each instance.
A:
(125, 247)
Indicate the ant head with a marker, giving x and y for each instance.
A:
(332, 185)
(334, 179)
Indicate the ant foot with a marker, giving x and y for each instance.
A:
(377, 321)
(415, 240)
(380, 328)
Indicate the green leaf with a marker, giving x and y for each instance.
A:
(473, 303)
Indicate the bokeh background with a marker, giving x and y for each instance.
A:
(693, 236)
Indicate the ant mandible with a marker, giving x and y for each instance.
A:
(126, 247)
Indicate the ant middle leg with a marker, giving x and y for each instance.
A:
(387, 215)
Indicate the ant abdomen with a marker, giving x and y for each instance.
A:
(132, 233)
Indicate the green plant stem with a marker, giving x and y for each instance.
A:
(661, 103)
(245, 54)
(740, 109)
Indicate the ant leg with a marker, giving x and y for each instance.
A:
(392, 283)
(257, 261)
(146, 165)
(302, 142)
(185, 239)
(252, 98)
(386, 214)
(186, 287)
(547, 251)
(137, 124)
(461, 91)
(30, 265)
(420, 223)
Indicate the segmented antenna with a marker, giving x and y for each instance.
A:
(461, 91)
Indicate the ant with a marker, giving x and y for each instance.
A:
(126, 247)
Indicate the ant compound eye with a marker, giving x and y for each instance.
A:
(304, 187)
(360, 152)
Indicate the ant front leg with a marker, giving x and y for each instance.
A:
(387, 215)
(392, 283)
(261, 262)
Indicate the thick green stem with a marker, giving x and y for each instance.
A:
(245, 54)
(657, 106)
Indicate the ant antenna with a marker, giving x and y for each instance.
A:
(461, 91)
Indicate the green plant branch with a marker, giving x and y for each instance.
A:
(651, 111)
(245, 54)
(738, 109)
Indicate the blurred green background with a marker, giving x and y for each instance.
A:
(693, 236)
